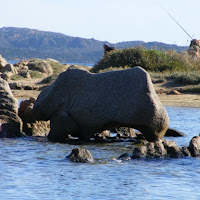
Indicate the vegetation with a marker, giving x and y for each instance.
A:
(161, 65)
(150, 60)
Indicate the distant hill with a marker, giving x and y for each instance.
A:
(24, 43)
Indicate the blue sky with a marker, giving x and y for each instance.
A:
(107, 20)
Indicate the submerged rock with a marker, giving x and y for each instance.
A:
(10, 123)
(80, 155)
(82, 104)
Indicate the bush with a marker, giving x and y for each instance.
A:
(150, 60)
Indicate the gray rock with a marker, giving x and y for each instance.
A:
(9, 68)
(3, 62)
(158, 149)
(194, 146)
(90, 103)
(10, 123)
(80, 155)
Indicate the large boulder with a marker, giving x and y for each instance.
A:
(81, 104)
(10, 123)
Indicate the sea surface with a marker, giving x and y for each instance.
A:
(33, 168)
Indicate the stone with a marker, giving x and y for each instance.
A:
(10, 122)
(174, 133)
(174, 92)
(82, 104)
(30, 126)
(6, 76)
(15, 86)
(158, 149)
(102, 136)
(80, 155)
(9, 68)
(125, 132)
(194, 146)
(3, 62)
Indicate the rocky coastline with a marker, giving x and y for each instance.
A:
(20, 122)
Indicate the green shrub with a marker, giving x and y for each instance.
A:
(150, 60)
(35, 74)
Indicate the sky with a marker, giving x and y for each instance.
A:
(107, 20)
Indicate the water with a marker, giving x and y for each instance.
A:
(33, 168)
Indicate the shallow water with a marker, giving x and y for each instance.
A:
(33, 168)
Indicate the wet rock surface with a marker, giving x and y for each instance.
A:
(80, 155)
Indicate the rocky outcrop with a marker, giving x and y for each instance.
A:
(10, 123)
(82, 104)
(80, 155)
(30, 126)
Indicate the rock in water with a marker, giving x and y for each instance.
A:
(82, 104)
(10, 123)
(194, 146)
(30, 126)
(80, 155)
(158, 149)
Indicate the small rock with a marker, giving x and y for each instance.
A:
(174, 133)
(81, 155)
(175, 92)
(194, 146)
(124, 157)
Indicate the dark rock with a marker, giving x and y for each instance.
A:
(186, 152)
(174, 133)
(158, 149)
(15, 86)
(194, 146)
(125, 157)
(80, 155)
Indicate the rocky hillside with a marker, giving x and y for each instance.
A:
(23, 43)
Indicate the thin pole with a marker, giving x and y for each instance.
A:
(177, 22)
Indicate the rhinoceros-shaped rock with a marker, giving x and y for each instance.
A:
(81, 104)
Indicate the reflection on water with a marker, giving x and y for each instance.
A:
(33, 168)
